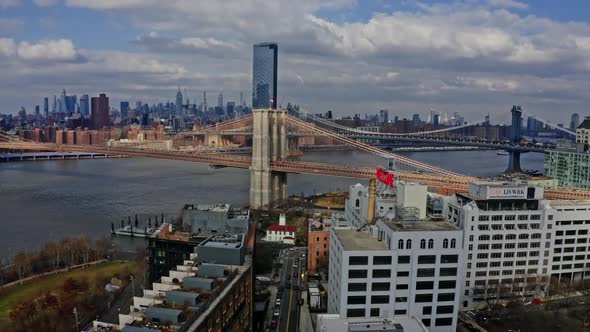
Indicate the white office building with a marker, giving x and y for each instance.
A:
(396, 268)
(515, 241)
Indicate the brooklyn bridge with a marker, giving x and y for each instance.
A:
(274, 135)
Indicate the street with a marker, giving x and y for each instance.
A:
(289, 291)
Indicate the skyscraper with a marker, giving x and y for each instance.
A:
(178, 100)
(124, 109)
(416, 120)
(37, 110)
(575, 121)
(54, 106)
(100, 111)
(46, 107)
(84, 107)
(264, 75)
(384, 116)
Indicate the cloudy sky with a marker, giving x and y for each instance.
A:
(471, 56)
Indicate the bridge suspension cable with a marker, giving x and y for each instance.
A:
(548, 123)
(367, 148)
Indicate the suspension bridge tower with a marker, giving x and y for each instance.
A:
(269, 143)
(515, 136)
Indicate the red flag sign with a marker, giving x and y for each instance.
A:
(385, 177)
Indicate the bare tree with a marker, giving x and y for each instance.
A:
(22, 265)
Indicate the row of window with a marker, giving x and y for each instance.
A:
(495, 273)
(386, 260)
(510, 217)
(486, 227)
(384, 299)
(408, 244)
(506, 245)
(500, 237)
(509, 254)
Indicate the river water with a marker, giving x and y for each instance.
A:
(54, 199)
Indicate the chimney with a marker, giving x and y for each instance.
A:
(170, 228)
(371, 207)
(283, 219)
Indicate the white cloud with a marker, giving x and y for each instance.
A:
(48, 50)
(7, 47)
(45, 3)
(508, 4)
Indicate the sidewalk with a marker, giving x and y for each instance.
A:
(304, 314)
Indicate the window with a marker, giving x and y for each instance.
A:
(356, 300)
(422, 244)
(357, 287)
(401, 299)
(379, 299)
(484, 238)
(449, 259)
(401, 286)
(484, 218)
(448, 271)
(357, 274)
(374, 312)
(400, 312)
(430, 244)
(443, 322)
(382, 260)
(453, 243)
(446, 284)
(426, 310)
(425, 273)
(403, 273)
(421, 298)
(358, 260)
(400, 244)
(381, 273)
(444, 309)
(425, 285)
(523, 217)
(496, 218)
(408, 244)
(380, 286)
(403, 260)
(444, 297)
(355, 313)
(426, 321)
(427, 259)
(445, 243)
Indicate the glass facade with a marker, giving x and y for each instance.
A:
(264, 76)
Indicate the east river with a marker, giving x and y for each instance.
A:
(46, 200)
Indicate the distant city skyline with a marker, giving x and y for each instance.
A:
(473, 57)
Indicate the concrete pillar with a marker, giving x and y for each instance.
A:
(266, 187)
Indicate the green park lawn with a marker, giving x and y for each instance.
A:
(39, 286)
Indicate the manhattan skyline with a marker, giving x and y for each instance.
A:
(472, 57)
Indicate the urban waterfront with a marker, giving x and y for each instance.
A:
(53, 199)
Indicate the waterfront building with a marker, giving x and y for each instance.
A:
(100, 111)
(211, 290)
(264, 75)
(516, 241)
(569, 162)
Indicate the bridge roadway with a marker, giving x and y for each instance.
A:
(450, 183)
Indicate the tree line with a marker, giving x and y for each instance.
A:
(53, 256)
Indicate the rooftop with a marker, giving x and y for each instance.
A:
(352, 239)
(585, 124)
(411, 226)
(569, 203)
(282, 228)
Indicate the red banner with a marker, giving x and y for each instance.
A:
(385, 177)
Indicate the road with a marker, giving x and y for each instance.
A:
(291, 285)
